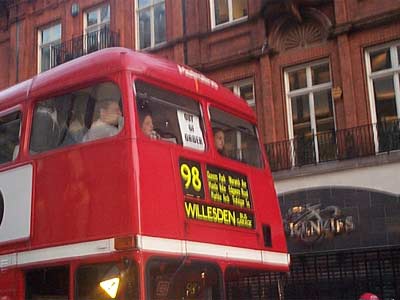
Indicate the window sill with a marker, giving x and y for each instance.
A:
(215, 28)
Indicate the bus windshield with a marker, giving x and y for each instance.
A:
(239, 137)
(183, 279)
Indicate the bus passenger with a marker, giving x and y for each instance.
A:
(107, 124)
(219, 140)
(146, 124)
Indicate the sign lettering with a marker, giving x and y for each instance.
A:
(228, 187)
(212, 214)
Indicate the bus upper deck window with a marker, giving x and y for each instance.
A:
(9, 136)
(82, 115)
(235, 138)
(170, 117)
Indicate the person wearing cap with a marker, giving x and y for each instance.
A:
(368, 296)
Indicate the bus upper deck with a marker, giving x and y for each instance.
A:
(117, 151)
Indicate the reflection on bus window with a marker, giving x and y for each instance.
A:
(47, 283)
(9, 136)
(107, 281)
(235, 138)
(170, 117)
(83, 115)
(180, 279)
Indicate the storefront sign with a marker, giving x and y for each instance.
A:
(310, 223)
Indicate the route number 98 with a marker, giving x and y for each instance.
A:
(191, 178)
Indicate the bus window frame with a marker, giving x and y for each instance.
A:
(182, 260)
(116, 79)
(10, 110)
(198, 99)
(104, 261)
(243, 117)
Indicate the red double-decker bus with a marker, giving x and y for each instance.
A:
(125, 176)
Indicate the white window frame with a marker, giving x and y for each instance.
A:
(97, 27)
(236, 85)
(308, 90)
(40, 45)
(230, 11)
(394, 71)
(152, 29)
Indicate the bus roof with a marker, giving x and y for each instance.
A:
(111, 60)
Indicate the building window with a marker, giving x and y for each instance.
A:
(310, 112)
(96, 28)
(383, 70)
(245, 90)
(151, 23)
(49, 40)
(225, 11)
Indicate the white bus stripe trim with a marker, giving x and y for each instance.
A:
(59, 252)
(211, 250)
(146, 243)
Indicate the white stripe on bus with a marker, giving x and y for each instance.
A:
(211, 250)
(145, 243)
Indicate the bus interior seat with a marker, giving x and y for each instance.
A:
(46, 131)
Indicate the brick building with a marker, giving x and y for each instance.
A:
(323, 78)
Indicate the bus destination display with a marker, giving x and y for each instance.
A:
(225, 187)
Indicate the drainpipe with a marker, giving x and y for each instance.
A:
(17, 44)
(185, 58)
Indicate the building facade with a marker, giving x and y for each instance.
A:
(323, 77)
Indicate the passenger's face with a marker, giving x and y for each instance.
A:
(219, 140)
(111, 114)
(147, 125)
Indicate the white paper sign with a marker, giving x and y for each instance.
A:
(16, 191)
(192, 136)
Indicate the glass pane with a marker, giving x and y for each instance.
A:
(170, 117)
(246, 92)
(51, 34)
(105, 14)
(45, 59)
(144, 29)
(159, 23)
(297, 79)
(171, 279)
(385, 102)
(81, 115)
(301, 115)
(221, 11)
(325, 123)
(303, 138)
(239, 8)
(235, 138)
(398, 55)
(320, 74)
(92, 18)
(324, 111)
(380, 60)
(143, 3)
(9, 137)
(106, 281)
(47, 283)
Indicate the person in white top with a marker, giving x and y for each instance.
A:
(108, 122)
